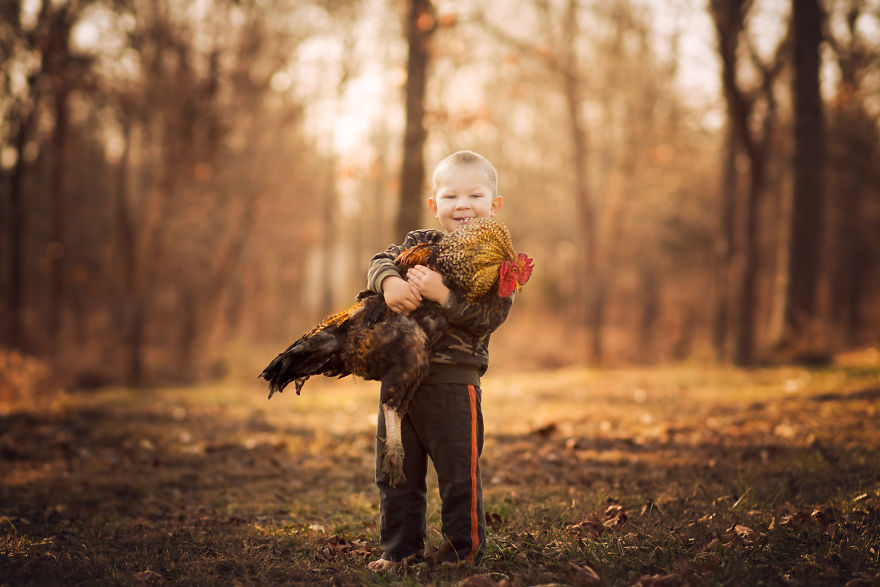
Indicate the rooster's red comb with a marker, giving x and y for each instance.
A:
(528, 264)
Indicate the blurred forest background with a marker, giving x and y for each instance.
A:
(185, 186)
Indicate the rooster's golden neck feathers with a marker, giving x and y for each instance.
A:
(471, 257)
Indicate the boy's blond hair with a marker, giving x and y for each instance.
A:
(465, 158)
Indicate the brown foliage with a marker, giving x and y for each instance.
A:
(24, 382)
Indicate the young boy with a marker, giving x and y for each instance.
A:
(444, 419)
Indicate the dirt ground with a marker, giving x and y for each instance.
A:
(666, 476)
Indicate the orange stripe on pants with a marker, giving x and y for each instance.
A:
(475, 527)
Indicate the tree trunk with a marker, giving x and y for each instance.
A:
(850, 243)
(419, 28)
(724, 244)
(729, 16)
(129, 313)
(590, 277)
(650, 310)
(683, 344)
(809, 161)
(748, 295)
(213, 316)
(729, 19)
(16, 223)
(853, 148)
(776, 324)
(57, 217)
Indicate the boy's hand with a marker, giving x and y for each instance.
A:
(429, 283)
(401, 296)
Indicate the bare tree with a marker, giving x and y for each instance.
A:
(65, 70)
(562, 60)
(729, 17)
(853, 153)
(56, 72)
(329, 205)
(608, 168)
(130, 325)
(593, 283)
(185, 196)
(20, 120)
(809, 163)
(420, 26)
(22, 116)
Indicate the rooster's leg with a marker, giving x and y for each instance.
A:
(392, 453)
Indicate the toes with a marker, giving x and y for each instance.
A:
(382, 566)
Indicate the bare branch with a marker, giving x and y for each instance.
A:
(525, 47)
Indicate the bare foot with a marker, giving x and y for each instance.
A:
(383, 566)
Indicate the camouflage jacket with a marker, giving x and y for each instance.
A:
(462, 353)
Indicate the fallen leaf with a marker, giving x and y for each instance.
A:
(659, 581)
(493, 520)
(615, 516)
(149, 577)
(797, 520)
(591, 527)
(594, 524)
(823, 517)
(335, 546)
(485, 580)
(743, 531)
(588, 576)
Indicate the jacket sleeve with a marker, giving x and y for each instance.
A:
(481, 317)
(382, 264)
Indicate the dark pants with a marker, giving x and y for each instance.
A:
(445, 422)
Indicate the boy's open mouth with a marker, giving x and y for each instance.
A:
(463, 220)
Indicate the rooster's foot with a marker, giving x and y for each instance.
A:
(392, 465)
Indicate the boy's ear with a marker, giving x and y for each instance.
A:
(432, 205)
(496, 204)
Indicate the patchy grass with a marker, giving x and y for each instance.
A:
(666, 476)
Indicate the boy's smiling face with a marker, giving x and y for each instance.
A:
(463, 193)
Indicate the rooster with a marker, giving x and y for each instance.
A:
(369, 340)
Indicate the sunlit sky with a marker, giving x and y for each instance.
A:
(342, 122)
(373, 85)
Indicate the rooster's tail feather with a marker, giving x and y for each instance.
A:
(312, 354)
